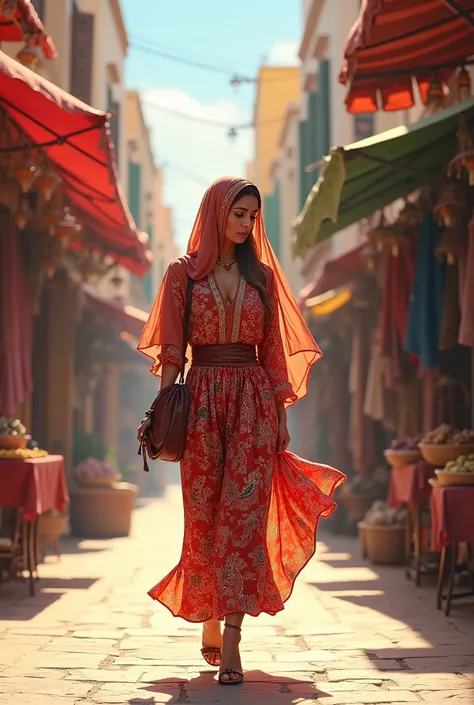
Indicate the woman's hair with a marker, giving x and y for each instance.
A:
(249, 264)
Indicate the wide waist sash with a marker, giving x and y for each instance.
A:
(224, 355)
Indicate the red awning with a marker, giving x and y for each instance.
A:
(335, 274)
(122, 317)
(24, 23)
(395, 42)
(77, 140)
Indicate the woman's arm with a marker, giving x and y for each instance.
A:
(169, 373)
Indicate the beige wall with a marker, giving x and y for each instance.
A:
(277, 86)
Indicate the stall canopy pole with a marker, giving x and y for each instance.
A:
(458, 10)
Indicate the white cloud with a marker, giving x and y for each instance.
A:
(202, 150)
(283, 54)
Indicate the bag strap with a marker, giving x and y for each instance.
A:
(186, 317)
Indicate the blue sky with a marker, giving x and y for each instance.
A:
(237, 37)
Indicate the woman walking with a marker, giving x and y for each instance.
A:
(251, 508)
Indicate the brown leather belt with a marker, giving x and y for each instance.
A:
(224, 355)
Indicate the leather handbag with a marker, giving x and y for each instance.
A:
(165, 438)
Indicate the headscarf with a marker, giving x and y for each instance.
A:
(164, 325)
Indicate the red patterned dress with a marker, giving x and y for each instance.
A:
(250, 513)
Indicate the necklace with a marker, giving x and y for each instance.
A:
(226, 265)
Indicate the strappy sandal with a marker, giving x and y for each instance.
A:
(207, 651)
(231, 671)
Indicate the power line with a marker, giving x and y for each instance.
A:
(147, 46)
(211, 123)
(174, 50)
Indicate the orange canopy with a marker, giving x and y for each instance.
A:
(22, 22)
(396, 41)
(77, 140)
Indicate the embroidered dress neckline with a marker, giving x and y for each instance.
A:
(231, 304)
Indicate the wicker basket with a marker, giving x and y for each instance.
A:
(356, 505)
(454, 479)
(439, 455)
(399, 458)
(384, 544)
(361, 529)
(103, 513)
(13, 442)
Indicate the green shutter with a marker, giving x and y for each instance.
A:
(324, 127)
(271, 209)
(314, 108)
(134, 178)
(304, 161)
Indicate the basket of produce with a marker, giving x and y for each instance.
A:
(12, 434)
(457, 472)
(97, 473)
(403, 451)
(445, 444)
(382, 534)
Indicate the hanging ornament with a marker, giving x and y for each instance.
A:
(464, 85)
(369, 255)
(67, 227)
(453, 245)
(23, 214)
(29, 55)
(464, 160)
(452, 208)
(411, 215)
(26, 174)
(435, 95)
(50, 220)
(47, 183)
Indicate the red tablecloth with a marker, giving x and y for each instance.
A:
(452, 516)
(34, 485)
(410, 484)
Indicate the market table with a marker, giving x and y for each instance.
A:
(33, 486)
(452, 512)
(409, 485)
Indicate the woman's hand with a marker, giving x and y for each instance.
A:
(144, 426)
(283, 435)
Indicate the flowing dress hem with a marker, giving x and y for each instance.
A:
(323, 515)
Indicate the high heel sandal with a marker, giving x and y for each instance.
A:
(207, 651)
(231, 671)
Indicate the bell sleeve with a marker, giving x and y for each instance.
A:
(162, 337)
(271, 353)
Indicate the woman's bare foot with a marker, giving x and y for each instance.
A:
(212, 642)
(231, 665)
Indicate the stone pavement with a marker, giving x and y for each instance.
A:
(350, 634)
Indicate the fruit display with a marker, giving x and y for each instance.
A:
(22, 454)
(381, 513)
(11, 427)
(95, 472)
(447, 435)
(407, 443)
(465, 463)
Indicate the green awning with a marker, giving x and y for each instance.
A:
(363, 177)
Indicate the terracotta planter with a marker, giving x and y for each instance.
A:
(103, 512)
(384, 545)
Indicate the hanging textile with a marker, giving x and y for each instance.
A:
(466, 331)
(451, 316)
(426, 306)
(15, 322)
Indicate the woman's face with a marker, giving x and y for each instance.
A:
(241, 219)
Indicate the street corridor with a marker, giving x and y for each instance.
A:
(351, 634)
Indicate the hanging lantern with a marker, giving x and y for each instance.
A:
(29, 55)
(464, 160)
(378, 235)
(411, 215)
(435, 95)
(47, 183)
(67, 227)
(453, 246)
(369, 255)
(23, 214)
(464, 85)
(452, 208)
(50, 220)
(26, 174)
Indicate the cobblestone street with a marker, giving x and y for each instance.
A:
(350, 633)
